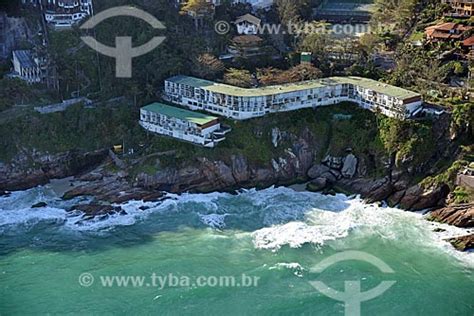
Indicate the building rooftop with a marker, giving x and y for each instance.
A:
(248, 18)
(25, 58)
(247, 40)
(376, 86)
(447, 30)
(468, 41)
(171, 111)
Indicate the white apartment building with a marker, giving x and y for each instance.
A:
(185, 125)
(26, 67)
(241, 104)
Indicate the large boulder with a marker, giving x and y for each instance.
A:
(318, 184)
(349, 167)
(95, 209)
(317, 171)
(418, 198)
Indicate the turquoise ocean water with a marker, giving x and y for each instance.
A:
(264, 243)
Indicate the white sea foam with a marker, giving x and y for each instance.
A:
(288, 218)
(213, 220)
(322, 226)
(30, 217)
(295, 266)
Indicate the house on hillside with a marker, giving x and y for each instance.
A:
(26, 67)
(468, 47)
(446, 32)
(247, 46)
(460, 8)
(63, 13)
(197, 128)
(248, 24)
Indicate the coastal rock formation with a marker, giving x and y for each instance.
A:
(112, 190)
(204, 175)
(349, 167)
(458, 215)
(418, 198)
(463, 243)
(41, 168)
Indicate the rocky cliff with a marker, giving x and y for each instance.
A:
(29, 170)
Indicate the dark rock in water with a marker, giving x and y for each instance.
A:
(118, 209)
(439, 230)
(463, 243)
(4, 193)
(123, 212)
(417, 198)
(103, 217)
(95, 209)
(458, 215)
(144, 208)
(380, 193)
(39, 205)
(316, 185)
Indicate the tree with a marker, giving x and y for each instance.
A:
(237, 77)
(196, 6)
(292, 10)
(368, 42)
(400, 12)
(269, 76)
(317, 44)
(302, 72)
(207, 66)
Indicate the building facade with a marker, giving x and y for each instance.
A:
(241, 104)
(461, 8)
(447, 32)
(63, 13)
(256, 4)
(248, 24)
(26, 67)
(185, 125)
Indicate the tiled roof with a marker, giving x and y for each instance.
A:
(469, 41)
(247, 39)
(248, 18)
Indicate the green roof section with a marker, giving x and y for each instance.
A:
(171, 111)
(374, 85)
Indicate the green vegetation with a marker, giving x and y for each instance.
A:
(87, 129)
(463, 195)
(450, 170)
(448, 176)
(334, 128)
(17, 92)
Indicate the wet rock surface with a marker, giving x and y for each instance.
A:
(458, 215)
(463, 243)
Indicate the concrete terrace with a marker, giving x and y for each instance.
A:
(376, 86)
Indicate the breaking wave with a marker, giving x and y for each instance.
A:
(271, 219)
